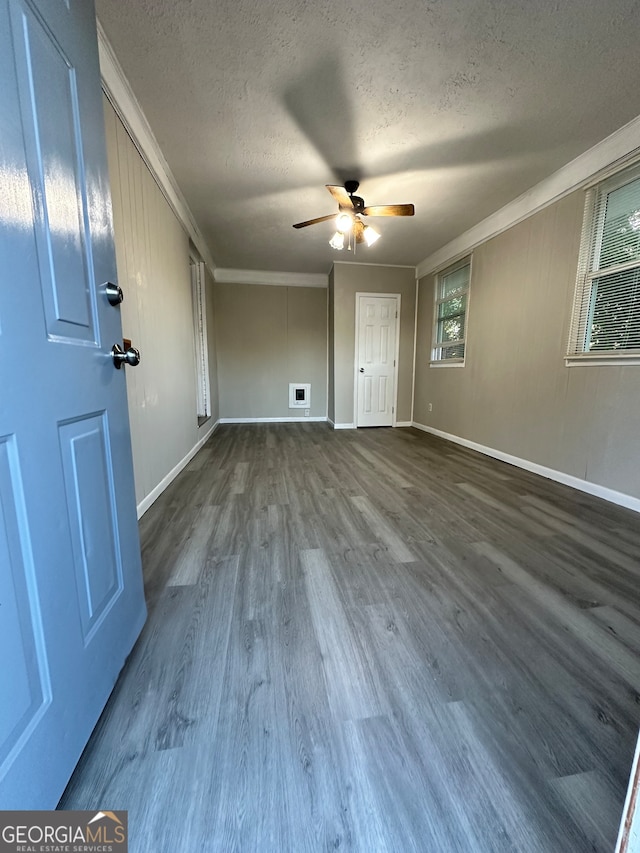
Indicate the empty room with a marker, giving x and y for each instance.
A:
(320, 435)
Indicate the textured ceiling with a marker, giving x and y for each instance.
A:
(458, 106)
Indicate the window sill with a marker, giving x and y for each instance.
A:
(449, 362)
(601, 359)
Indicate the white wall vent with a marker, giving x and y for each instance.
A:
(299, 395)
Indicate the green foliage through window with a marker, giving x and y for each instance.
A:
(452, 289)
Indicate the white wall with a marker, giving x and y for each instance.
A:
(152, 253)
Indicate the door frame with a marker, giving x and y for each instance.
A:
(396, 355)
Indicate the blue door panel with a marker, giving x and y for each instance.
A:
(53, 143)
(90, 498)
(23, 675)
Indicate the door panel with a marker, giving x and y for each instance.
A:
(55, 162)
(377, 330)
(20, 627)
(91, 500)
(72, 597)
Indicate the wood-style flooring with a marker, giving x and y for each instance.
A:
(373, 640)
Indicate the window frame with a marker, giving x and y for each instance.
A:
(200, 341)
(589, 271)
(436, 345)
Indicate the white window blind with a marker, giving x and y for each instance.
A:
(200, 338)
(606, 313)
(452, 296)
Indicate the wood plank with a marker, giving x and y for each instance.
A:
(373, 640)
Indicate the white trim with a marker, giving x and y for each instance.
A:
(119, 92)
(415, 347)
(404, 423)
(603, 492)
(343, 426)
(276, 279)
(602, 360)
(618, 146)
(396, 358)
(271, 420)
(461, 263)
(155, 493)
(369, 264)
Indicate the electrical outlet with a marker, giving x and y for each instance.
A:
(306, 413)
(430, 407)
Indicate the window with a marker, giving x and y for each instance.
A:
(605, 324)
(200, 341)
(452, 297)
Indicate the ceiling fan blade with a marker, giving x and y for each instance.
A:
(358, 229)
(314, 221)
(340, 195)
(390, 210)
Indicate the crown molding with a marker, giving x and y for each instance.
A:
(615, 149)
(119, 92)
(275, 279)
(369, 264)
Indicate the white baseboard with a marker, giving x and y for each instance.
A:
(603, 492)
(343, 426)
(271, 420)
(404, 423)
(155, 493)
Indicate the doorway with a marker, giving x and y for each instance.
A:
(376, 363)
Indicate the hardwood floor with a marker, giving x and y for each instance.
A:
(373, 640)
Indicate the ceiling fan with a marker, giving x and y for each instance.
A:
(351, 207)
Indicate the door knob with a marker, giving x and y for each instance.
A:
(114, 293)
(120, 357)
(362, 370)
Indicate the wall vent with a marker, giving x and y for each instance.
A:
(299, 395)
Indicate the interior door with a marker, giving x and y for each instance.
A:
(71, 595)
(377, 331)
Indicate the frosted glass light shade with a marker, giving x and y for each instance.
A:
(337, 241)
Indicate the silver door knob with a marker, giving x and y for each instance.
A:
(120, 357)
(114, 293)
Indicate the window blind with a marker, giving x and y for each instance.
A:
(606, 316)
(452, 290)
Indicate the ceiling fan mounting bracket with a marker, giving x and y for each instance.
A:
(351, 186)
(356, 207)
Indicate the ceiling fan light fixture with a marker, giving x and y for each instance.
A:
(370, 235)
(337, 241)
(344, 222)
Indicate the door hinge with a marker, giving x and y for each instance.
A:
(393, 410)
(394, 362)
(396, 315)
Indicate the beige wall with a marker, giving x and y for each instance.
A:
(349, 279)
(152, 253)
(267, 337)
(515, 394)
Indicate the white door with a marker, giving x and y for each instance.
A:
(377, 321)
(71, 595)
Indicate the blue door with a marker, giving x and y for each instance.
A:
(71, 595)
